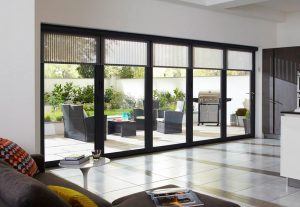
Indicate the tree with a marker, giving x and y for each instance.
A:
(139, 72)
(86, 71)
(126, 72)
(61, 71)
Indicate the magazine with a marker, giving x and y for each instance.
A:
(74, 162)
(172, 197)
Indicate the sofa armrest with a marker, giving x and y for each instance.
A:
(40, 162)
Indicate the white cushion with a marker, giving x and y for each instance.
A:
(160, 119)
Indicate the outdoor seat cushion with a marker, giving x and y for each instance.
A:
(160, 119)
(20, 190)
(143, 200)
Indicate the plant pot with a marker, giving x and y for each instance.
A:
(240, 120)
(233, 120)
(247, 126)
(54, 128)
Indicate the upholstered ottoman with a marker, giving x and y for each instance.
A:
(143, 200)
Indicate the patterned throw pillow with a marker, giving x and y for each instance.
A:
(17, 157)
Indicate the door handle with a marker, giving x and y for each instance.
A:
(275, 102)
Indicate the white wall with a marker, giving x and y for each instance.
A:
(288, 32)
(147, 17)
(17, 73)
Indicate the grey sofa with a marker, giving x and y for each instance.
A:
(170, 122)
(18, 190)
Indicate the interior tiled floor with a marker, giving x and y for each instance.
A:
(244, 171)
(57, 147)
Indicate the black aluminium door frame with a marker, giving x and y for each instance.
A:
(223, 91)
(150, 39)
(252, 93)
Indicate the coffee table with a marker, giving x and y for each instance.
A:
(86, 166)
(122, 127)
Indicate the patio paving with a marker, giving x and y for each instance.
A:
(57, 147)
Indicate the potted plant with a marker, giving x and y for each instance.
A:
(247, 123)
(241, 114)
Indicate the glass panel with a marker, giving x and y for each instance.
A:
(206, 98)
(208, 58)
(124, 108)
(170, 55)
(69, 110)
(62, 48)
(122, 52)
(169, 117)
(238, 106)
(238, 60)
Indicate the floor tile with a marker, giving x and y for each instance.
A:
(242, 171)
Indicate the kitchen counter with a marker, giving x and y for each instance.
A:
(290, 147)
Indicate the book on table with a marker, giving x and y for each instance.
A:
(172, 197)
(75, 162)
(74, 157)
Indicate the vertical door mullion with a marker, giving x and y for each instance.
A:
(42, 101)
(224, 96)
(100, 129)
(252, 96)
(148, 99)
(189, 99)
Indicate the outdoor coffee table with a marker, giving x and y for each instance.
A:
(124, 128)
(86, 166)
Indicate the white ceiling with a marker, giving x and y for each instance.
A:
(282, 5)
(272, 10)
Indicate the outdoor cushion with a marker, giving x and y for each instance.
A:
(160, 119)
(17, 157)
(140, 117)
(74, 198)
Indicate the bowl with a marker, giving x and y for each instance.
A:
(96, 154)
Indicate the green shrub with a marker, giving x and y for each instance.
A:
(129, 102)
(167, 101)
(116, 101)
(47, 118)
(69, 93)
(241, 112)
(53, 116)
(58, 118)
(113, 98)
(108, 94)
(88, 94)
(89, 109)
(179, 95)
(248, 114)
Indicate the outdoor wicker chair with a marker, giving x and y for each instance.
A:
(170, 122)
